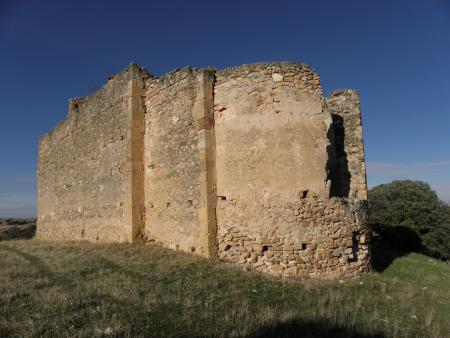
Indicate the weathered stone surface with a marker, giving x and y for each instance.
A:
(349, 168)
(249, 164)
(86, 189)
(179, 196)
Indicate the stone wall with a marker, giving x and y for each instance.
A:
(344, 107)
(271, 132)
(90, 165)
(273, 185)
(175, 140)
(249, 164)
(312, 237)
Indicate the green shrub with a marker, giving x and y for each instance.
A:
(411, 205)
(14, 232)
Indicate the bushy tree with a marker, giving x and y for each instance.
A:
(412, 205)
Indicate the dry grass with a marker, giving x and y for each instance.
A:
(84, 290)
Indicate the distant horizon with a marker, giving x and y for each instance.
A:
(394, 53)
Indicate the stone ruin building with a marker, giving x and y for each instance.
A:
(250, 164)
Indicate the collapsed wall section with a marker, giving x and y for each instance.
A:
(89, 166)
(179, 167)
(349, 171)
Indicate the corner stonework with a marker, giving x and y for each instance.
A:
(135, 200)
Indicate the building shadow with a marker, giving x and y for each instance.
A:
(390, 242)
(309, 329)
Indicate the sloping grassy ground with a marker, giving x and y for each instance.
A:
(50, 289)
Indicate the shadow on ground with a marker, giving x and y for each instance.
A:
(390, 242)
(308, 329)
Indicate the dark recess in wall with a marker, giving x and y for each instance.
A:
(339, 173)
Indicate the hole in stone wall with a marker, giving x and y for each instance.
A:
(304, 246)
(168, 204)
(222, 198)
(265, 248)
(192, 248)
(227, 247)
(339, 173)
(355, 247)
(305, 193)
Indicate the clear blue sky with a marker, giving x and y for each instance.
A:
(396, 53)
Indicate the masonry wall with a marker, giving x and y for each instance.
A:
(274, 211)
(175, 162)
(249, 164)
(350, 168)
(312, 237)
(90, 166)
(271, 133)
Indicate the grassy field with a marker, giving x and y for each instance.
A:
(52, 289)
